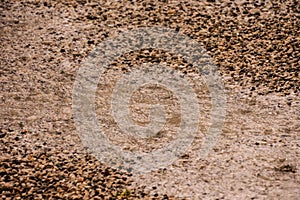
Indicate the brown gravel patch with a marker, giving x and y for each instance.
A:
(254, 44)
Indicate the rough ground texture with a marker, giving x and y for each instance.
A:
(255, 44)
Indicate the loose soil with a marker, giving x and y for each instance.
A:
(255, 46)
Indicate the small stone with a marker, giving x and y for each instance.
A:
(80, 179)
(2, 134)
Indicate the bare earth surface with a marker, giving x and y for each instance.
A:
(255, 46)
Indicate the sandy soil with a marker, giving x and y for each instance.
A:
(255, 46)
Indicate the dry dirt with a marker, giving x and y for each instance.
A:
(255, 45)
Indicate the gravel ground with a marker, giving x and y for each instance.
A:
(255, 45)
